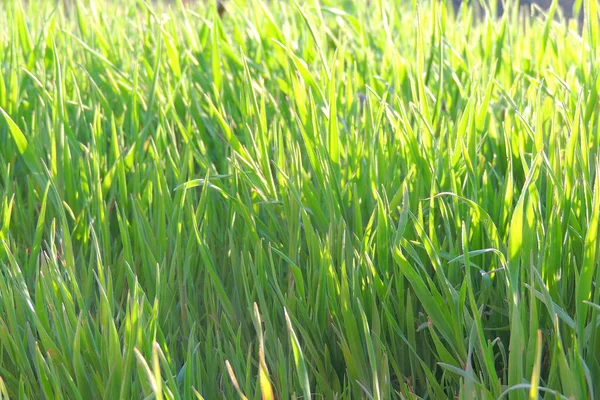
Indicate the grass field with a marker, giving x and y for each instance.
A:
(344, 200)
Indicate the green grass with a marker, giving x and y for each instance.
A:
(344, 199)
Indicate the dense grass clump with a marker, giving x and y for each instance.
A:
(334, 199)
